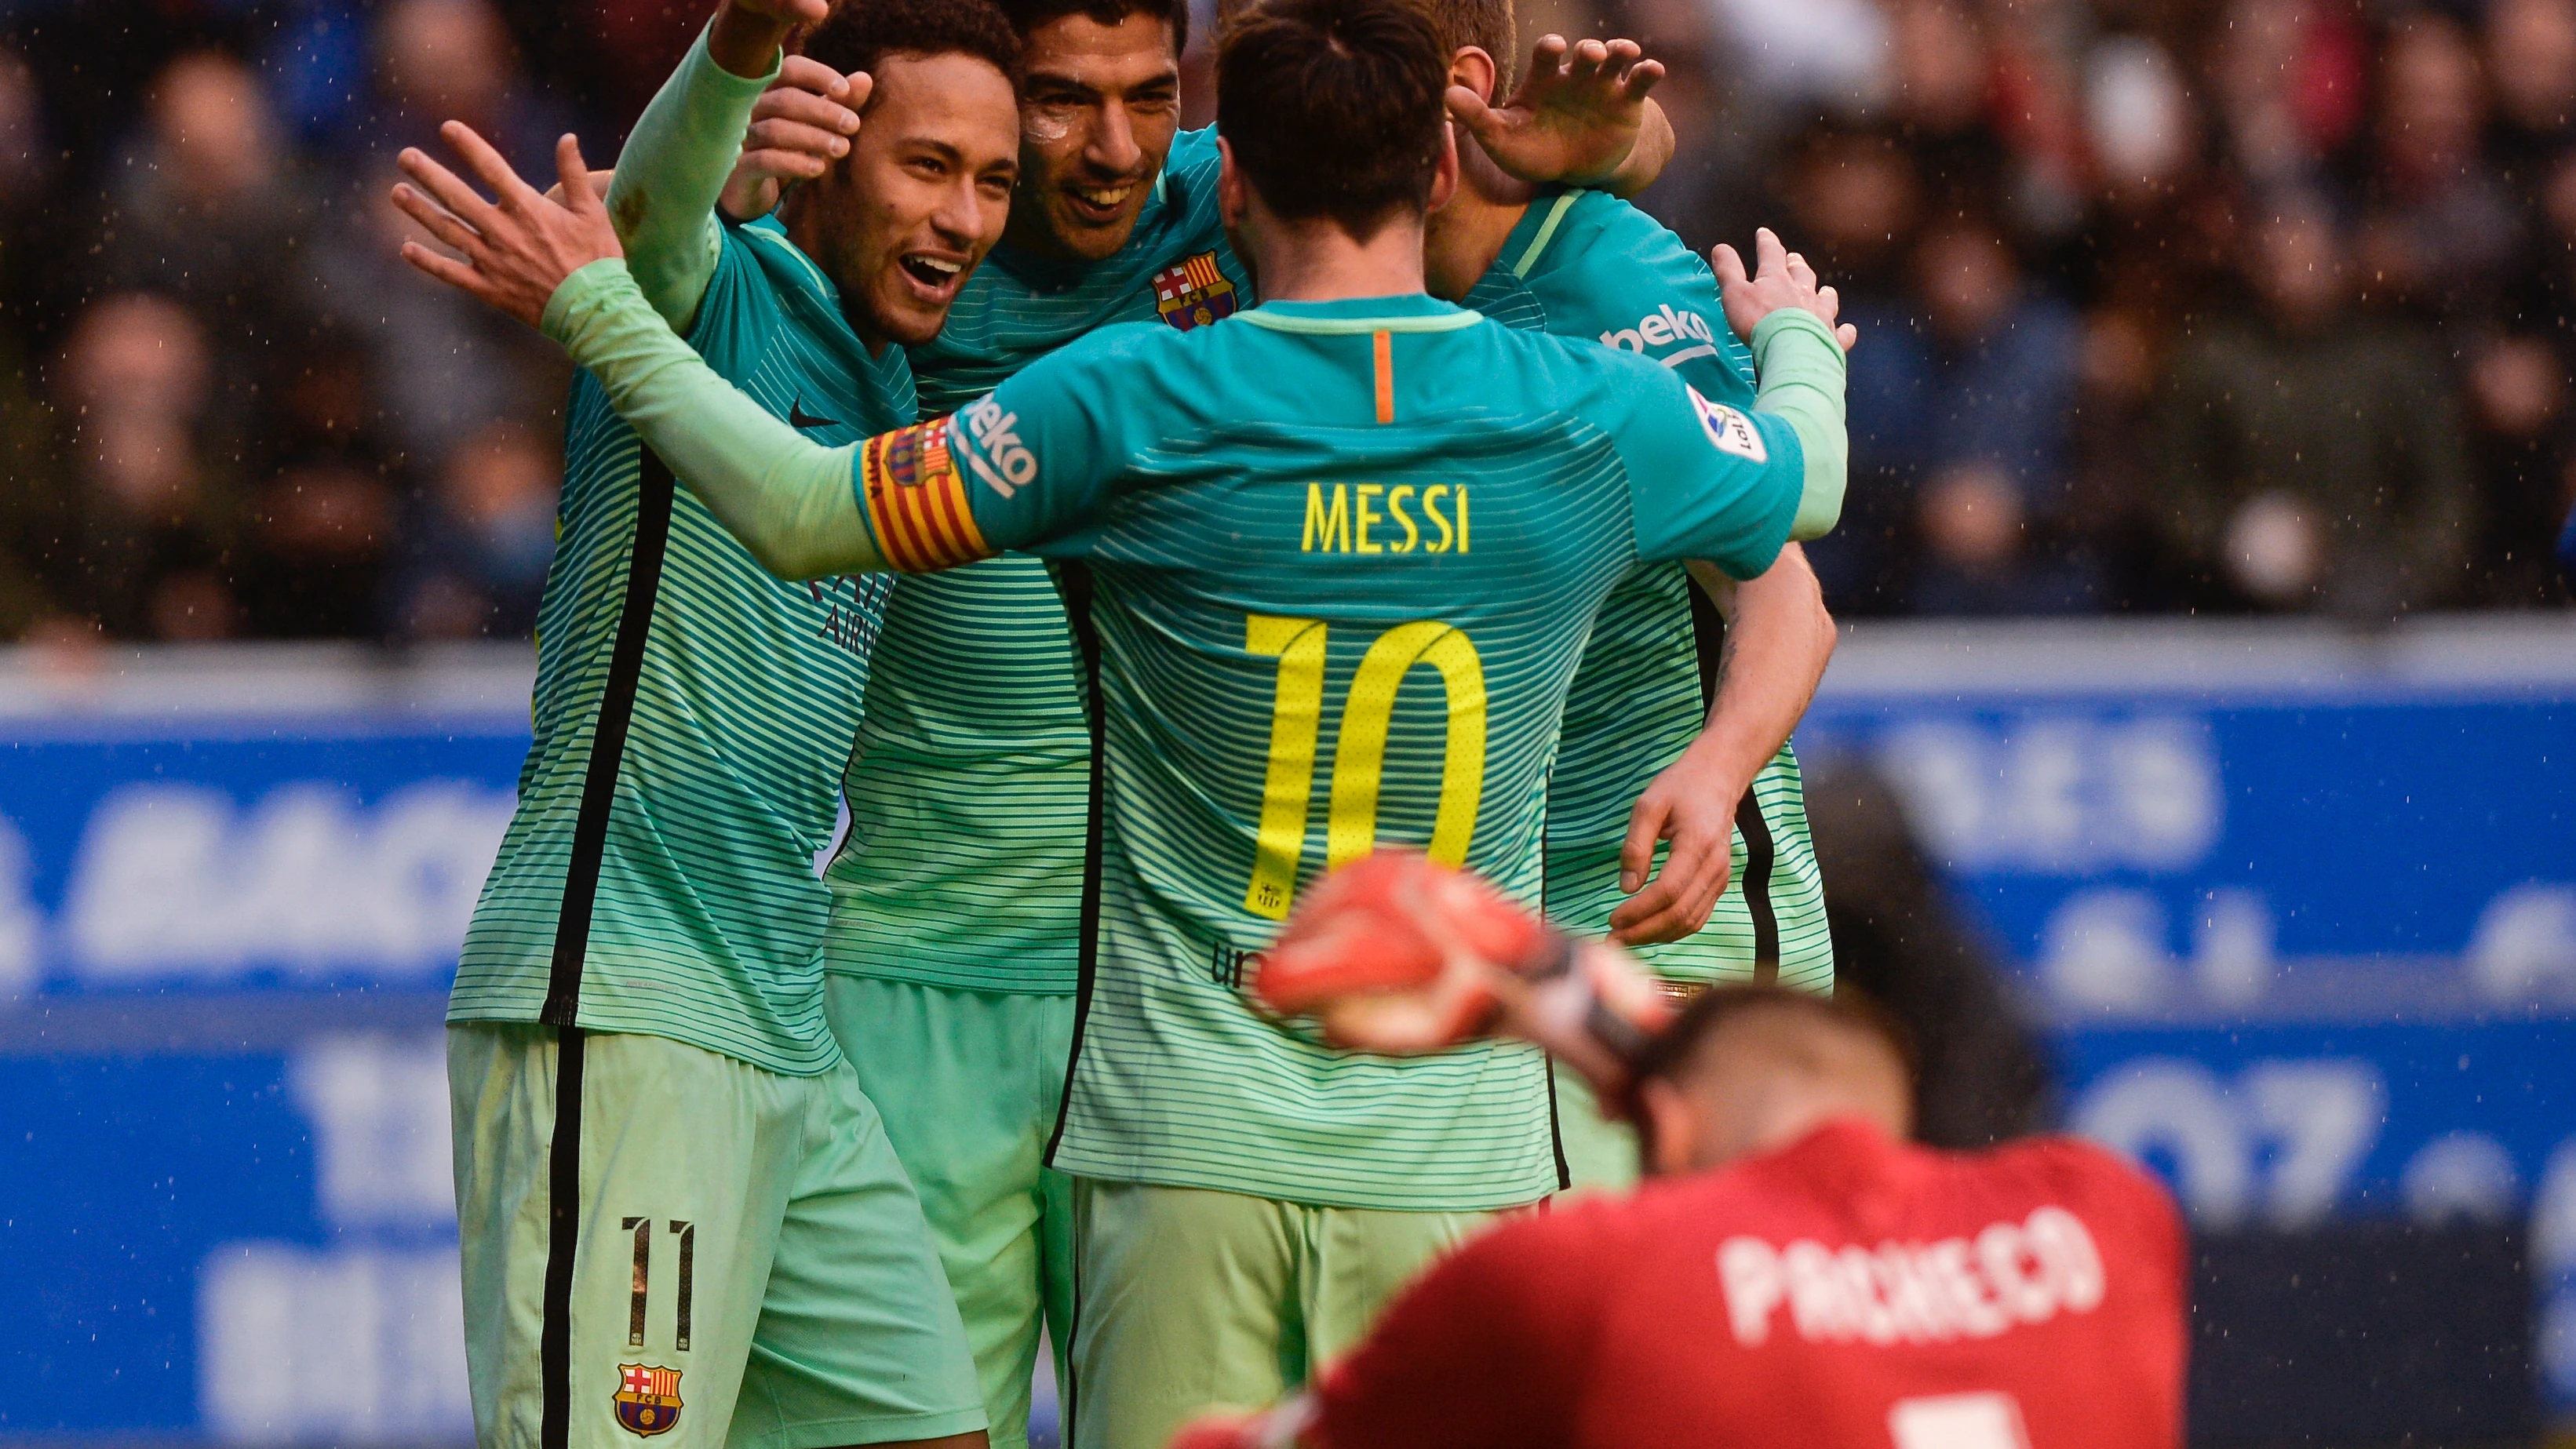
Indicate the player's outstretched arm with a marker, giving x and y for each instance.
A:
(683, 148)
(1581, 117)
(1778, 639)
(1798, 339)
(558, 266)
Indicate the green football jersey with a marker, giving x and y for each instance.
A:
(1335, 564)
(1585, 264)
(968, 791)
(671, 889)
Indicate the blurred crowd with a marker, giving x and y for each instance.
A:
(2166, 304)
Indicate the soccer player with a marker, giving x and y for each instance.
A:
(953, 955)
(1650, 748)
(1795, 1276)
(680, 1217)
(1265, 528)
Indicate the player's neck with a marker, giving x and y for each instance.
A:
(805, 231)
(1462, 240)
(1319, 261)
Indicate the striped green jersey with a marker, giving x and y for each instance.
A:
(968, 789)
(704, 918)
(1585, 264)
(1333, 565)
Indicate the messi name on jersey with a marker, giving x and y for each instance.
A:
(1194, 293)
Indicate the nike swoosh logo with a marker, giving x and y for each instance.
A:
(797, 417)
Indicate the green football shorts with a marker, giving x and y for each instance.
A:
(1188, 1300)
(1600, 1154)
(742, 1261)
(969, 1083)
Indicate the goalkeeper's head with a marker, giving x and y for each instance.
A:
(1749, 1068)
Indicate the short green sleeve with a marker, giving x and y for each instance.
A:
(1706, 479)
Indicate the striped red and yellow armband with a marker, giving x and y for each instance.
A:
(916, 501)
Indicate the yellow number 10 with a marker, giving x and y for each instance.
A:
(1359, 753)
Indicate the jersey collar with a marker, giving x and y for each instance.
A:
(1411, 312)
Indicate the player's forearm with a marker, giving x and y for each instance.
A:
(790, 501)
(1778, 640)
(675, 164)
(1801, 367)
(1647, 159)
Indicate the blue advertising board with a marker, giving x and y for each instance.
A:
(2300, 920)
(225, 940)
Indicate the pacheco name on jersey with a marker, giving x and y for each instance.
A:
(2009, 1274)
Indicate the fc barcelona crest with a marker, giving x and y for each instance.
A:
(1194, 293)
(648, 1399)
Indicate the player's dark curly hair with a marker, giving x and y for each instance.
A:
(1680, 1049)
(1334, 108)
(1028, 15)
(862, 33)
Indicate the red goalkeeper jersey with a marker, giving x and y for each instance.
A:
(1846, 1292)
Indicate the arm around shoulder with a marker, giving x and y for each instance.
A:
(673, 168)
(790, 501)
(1802, 372)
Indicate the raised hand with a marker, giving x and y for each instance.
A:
(517, 249)
(747, 34)
(1576, 117)
(800, 127)
(1692, 804)
(1781, 278)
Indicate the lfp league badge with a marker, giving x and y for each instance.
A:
(648, 1399)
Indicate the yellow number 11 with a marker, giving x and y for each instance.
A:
(1359, 753)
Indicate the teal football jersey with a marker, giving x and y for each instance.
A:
(968, 791)
(670, 889)
(1337, 563)
(1585, 264)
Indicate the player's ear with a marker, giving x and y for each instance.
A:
(1667, 1130)
(1473, 68)
(1444, 181)
(1229, 187)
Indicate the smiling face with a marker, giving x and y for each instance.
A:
(1099, 107)
(924, 194)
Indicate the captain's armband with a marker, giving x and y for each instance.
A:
(915, 499)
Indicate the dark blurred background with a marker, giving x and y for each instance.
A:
(2169, 305)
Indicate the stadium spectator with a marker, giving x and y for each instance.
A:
(485, 539)
(2531, 62)
(2128, 154)
(1966, 410)
(323, 513)
(207, 210)
(2312, 456)
(144, 544)
(2440, 227)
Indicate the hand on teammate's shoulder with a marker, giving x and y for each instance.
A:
(1781, 278)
